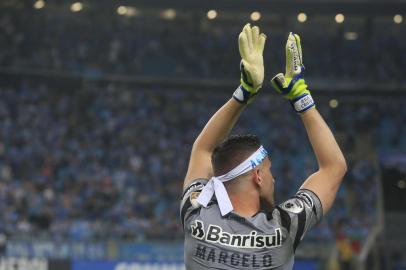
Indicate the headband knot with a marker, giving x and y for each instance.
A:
(216, 187)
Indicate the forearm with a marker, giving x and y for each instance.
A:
(219, 126)
(325, 147)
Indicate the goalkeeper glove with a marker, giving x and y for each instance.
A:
(251, 46)
(292, 85)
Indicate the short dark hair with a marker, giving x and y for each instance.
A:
(231, 152)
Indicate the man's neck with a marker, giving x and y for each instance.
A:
(245, 205)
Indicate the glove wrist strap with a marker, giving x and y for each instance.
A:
(302, 103)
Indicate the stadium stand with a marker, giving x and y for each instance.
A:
(108, 163)
(95, 160)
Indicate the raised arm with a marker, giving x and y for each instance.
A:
(251, 45)
(332, 165)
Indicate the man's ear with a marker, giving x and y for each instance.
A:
(256, 177)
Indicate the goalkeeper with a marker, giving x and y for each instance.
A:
(227, 210)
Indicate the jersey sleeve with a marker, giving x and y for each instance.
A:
(300, 213)
(188, 204)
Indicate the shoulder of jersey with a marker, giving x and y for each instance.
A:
(306, 198)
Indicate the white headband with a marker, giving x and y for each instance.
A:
(216, 187)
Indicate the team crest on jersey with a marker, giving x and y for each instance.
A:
(293, 205)
(193, 198)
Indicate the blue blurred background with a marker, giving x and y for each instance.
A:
(100, 102)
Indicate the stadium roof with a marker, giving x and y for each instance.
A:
(277, 7)
(280, 6)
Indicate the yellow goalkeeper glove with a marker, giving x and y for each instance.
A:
(292, 85)
(251, 45)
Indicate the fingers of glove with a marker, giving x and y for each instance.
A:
(243, 45)
(261, 42)
(255, 37)
(299, 46)
(248, 31)
(297, 59)
(288, 54)
(293, 60)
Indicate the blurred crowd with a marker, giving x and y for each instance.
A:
(97, 42)
(108, 162)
